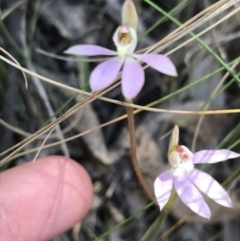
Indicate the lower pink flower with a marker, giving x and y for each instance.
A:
(189, 181)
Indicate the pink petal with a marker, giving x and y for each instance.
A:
(210, 187)
(190, 196)
(105, 74)
(213, 156)
(132, 78)
(162, 188)
(159, 62)
(89, 50)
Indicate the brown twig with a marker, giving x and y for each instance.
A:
(131, 127)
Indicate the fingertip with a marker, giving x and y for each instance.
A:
(43, 199)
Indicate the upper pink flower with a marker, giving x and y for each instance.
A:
(125, 39)
(188, 181)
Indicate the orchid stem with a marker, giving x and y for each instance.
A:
(154, 228)
(137, 170)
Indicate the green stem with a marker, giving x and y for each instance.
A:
(137, 170)
(154, 228)
(162, 19)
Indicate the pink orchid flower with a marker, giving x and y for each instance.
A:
(188, 181)
(125, 40)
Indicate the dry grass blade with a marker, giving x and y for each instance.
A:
(11, 57)
(40, 148)
(41, 51)
(11, 9)
(14, 129)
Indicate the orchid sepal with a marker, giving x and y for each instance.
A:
(129, 14)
